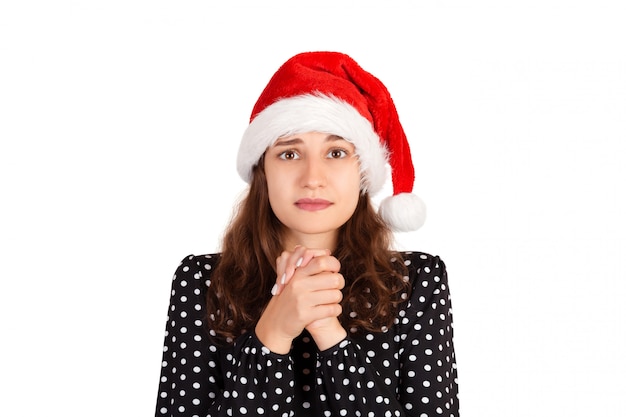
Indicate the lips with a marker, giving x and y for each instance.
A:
(312, 204)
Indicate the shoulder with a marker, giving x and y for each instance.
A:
(418, 262)
(426, 272)
(194, 269)
(429, 300)
(191, 264)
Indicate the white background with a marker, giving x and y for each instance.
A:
(120, 121)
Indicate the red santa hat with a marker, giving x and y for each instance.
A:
(329, 92)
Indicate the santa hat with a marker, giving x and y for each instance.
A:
(329, 92)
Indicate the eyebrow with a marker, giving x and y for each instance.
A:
(297, 140)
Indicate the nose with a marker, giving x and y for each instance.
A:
(314, 173)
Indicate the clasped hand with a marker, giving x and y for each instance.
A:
(307, 295)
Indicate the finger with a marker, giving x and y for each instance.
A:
(330, 296)
(323, 263)
(281, 263)
(309, 255)
(288, 262)
(324, 311)
(318, 282)
(302, 258)
(294, 261)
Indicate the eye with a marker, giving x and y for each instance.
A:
(288, 155)
(337, 153)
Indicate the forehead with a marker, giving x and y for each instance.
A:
(301, 138)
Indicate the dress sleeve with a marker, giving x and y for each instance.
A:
(428, 373)
(189, 381)
(201, 378)
(351, 385)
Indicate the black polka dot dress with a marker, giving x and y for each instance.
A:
(408, 369)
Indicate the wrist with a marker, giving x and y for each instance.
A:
(271, 339)
(327, 332)
(273, 342)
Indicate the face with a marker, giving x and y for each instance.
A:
(313, 182)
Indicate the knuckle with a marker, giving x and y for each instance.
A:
(329, 263)
(341, 280)
(337, 280)
(338, 309)
(323, 262)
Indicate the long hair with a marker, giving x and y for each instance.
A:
(240, 284)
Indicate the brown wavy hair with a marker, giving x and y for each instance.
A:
(245, 273)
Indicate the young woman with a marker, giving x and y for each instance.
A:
(306, 311)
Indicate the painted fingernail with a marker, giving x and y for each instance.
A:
(299, 263)
(274, 289)
(283, 278)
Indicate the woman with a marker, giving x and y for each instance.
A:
(307, 311)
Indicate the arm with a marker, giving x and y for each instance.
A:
(188, 384)
(425, 378)
(200, 378)
(351, 385)
(428, 367)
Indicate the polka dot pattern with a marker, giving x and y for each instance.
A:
(409, 369)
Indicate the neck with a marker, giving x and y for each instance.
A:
(316, 241)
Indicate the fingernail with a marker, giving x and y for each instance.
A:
(283, 278)
(274, 289)
(299, 263)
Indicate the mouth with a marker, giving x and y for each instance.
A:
(312, 204)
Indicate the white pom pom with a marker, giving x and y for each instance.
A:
(404, 212)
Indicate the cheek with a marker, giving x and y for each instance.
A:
(353, 179)
(275, 187)
(351, 186)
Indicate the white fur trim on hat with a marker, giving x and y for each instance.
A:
(403, 212)
(315, 113)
